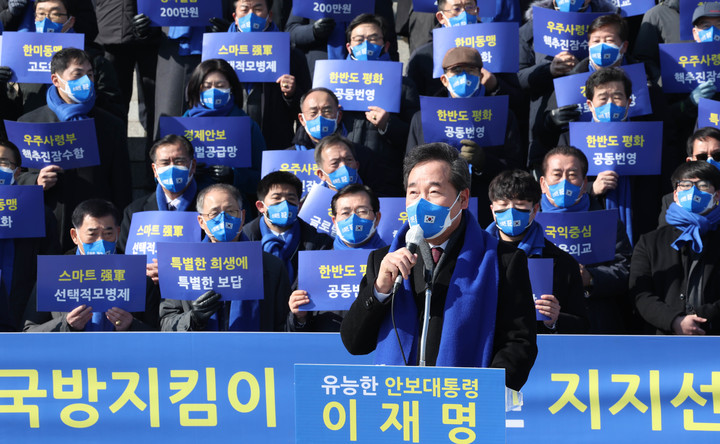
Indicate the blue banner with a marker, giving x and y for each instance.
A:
(29, 53)
(232, 269)
(22, 211)
(300, 163)
(339, 10)
(588, 236)
(360, 84)
(480, 119)
(331, 278)
(629, 8)
(708, 113)
(485, 8)
(256, 56)
(502, 57)
(71, 144)
(541, 280)
(150, 227)
(556, 31)
(316, 209)
(687, 7)
(571, 90)
(684, 66)
(99, 281)
(217, 141)
(392, 404)
(628, 148)
(180, 12)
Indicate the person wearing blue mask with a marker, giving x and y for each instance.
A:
(278, 227)
(52, 16)
(96, 227)
(515, 197)
(564, 185)
(675, 274)
(335, 159)
(221, 216)
(355, 214)
(482, 314)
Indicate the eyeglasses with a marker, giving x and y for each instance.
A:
(215, 213)
(470, 9)
(7, 164)
(53, 16)
(704, 156)
(455, 70)
(363, 212)
(701, 185)
(179, 161)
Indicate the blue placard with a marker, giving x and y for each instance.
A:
(485, 8)
(331, 278)
(300, 163)
(217, 141)
(556, 31)
(687, 7)
(629, 8)
(708, 113)
(339, 10)
(256, 56)
(29, 53)
(497, 44)
(450, 120)
(316, 209)
(541, 280)
(232, 269)
(180, 12)
(71, 144)
(22, 211)
(393, 404)
(571, 90)
(99, 281)
(360, 84)
(685, 65)
(628, 148)
(150, 227)
(588, 236)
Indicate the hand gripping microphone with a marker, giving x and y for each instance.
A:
(413, 239)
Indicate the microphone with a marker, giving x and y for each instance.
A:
(413, 238)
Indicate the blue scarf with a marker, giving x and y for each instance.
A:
(532, 242)
(283, 249)
(99, 322)
(199, 110)
(582, 205)
(336, 42)
(187, 198)
(242, 315)
(470, 307)
(692, 225)
(621, 198)
(189, 39)
(68, 111)
(373, 243)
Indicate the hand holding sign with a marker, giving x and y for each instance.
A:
(548, 305)
(562, 64)
(287, 84)
(204, 307)
(298, 298)
(378, 117)
(48, 176)
(78, 317)
(605, 181)
(121, 319)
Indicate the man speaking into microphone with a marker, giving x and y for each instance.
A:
(481, 311)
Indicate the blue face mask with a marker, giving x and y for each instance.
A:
(712, 34)
(610, 113)
(320, 126)
(98, 247)
(569, 5)
(47, 25)
(355, 230)
(433, 219)
(251, 23)
(367, 51)
(7, 176)
(282, 214)
(564, 193)
(464, 85)
(224, 227)
(604, 54)
(215, 98)
(461, 19)
(512, 221)
(710, 160)
(79, 90)
(174, 178)
(694, 200)
(342, 177)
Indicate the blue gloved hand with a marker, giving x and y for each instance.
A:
(704, 90)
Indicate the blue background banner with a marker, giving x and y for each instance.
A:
(684, 66)
(100, 281)
(450, 120)
(71, 144)
(331, 278)
(541, 280)
(29, 53)
(687, 7)
(708, 113)
(217, 141)
(150, 227)
(360, 84)
(256, 56)
(180, 12)
(628, 148)
(300, 163)
(556, 31)
(497, 44)
(340, 10)
(485, 8)
(631, 8)
(316, 209)
(588, 236)
(22, 211)
(187, 270)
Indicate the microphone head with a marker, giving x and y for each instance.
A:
(414, 235)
